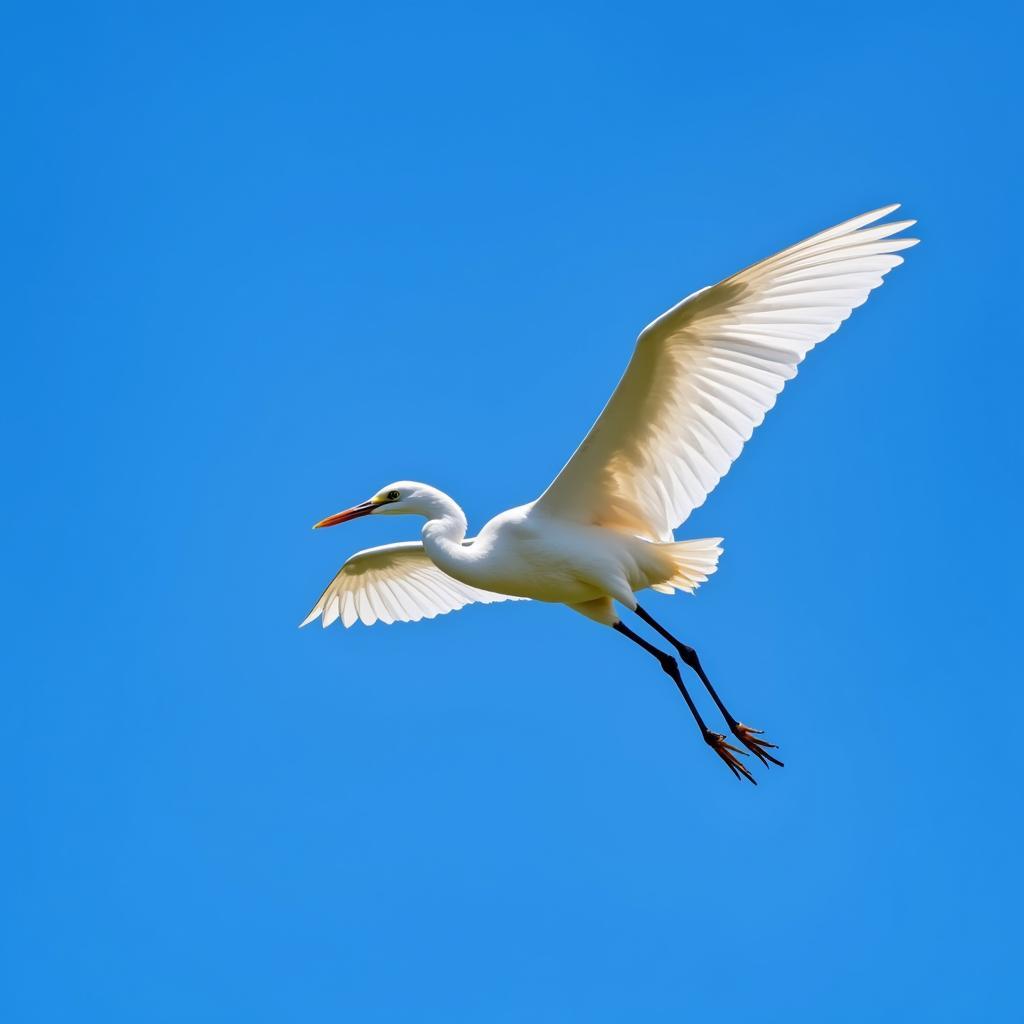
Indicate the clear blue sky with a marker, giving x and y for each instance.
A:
(263, 259)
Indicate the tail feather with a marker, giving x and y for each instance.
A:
(693, 562)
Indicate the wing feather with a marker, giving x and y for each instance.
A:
(394, 583)
(704, 374)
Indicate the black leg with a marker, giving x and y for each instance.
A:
(715, 740)
(744, 733)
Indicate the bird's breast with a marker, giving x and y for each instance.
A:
(525, 558)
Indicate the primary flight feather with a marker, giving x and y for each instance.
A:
(702, 377)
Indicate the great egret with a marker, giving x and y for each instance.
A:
(701, 378)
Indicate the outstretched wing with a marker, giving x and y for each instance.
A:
(704, 374)
(394, 583)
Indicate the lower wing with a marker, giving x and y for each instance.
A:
(394, 583)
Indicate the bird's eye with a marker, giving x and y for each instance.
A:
(392, 495)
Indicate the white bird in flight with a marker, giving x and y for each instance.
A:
(701, 378)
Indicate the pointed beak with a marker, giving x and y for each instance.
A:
(355, 512)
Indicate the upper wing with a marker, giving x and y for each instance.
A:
(704, 374)
(394, 583)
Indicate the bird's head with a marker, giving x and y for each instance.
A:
(404, 497)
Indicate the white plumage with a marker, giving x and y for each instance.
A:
(702, 377)
(704, 374)
(394, 583)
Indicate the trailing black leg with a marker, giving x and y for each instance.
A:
(744, 733)
(715, 740)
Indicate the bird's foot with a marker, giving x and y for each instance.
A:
(727, 752)
(749, 738)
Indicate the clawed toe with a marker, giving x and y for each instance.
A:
(727, 752)
(749, 738)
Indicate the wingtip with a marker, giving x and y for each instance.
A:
(877, 214)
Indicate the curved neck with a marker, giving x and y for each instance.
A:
(444, 531)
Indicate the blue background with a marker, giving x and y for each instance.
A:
(264, 259)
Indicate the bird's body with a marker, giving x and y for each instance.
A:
(527, 553)
(702, 377)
